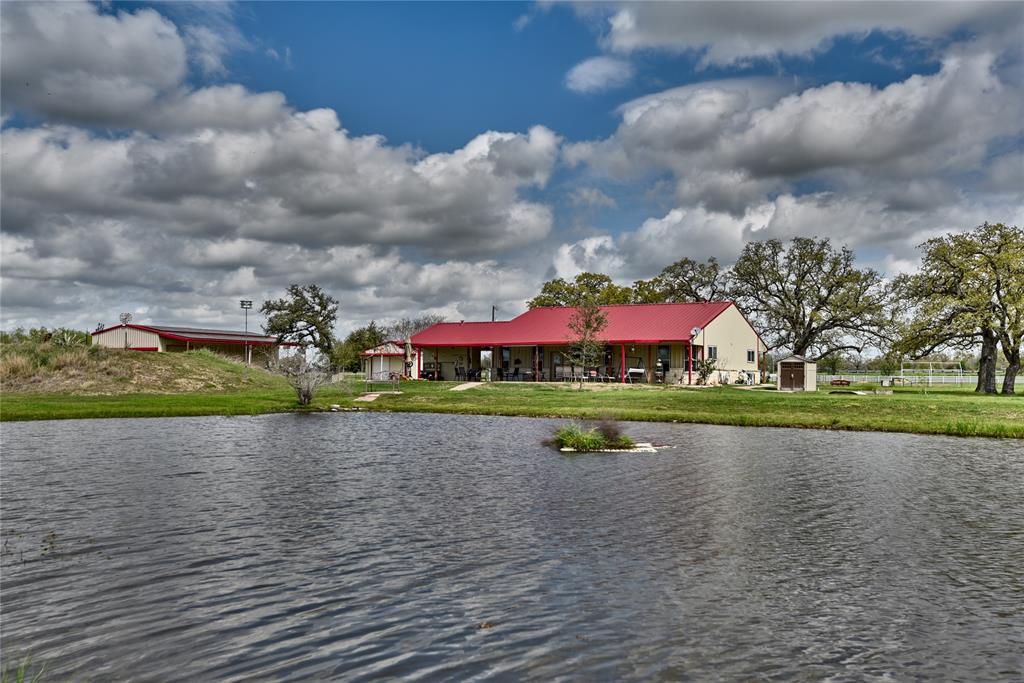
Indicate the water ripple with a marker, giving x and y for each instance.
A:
(426, 547)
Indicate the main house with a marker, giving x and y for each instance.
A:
(164, 338)
(643, 342)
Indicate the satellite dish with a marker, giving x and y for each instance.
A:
(694, 332)
(125, 318)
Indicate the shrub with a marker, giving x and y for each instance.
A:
(305, 377)
(15, 365)
(606, 435)
(72, 358)
(68, 337)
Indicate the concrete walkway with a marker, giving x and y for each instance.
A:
(467, 385)
(373, 396)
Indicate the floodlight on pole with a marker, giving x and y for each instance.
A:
(246, 305)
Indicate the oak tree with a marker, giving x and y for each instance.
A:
(305, 316)
(810, 298)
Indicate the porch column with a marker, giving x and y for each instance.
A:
(622, 364)
(650, 365)
(495, 363)
(419, 363)
(689, 365)
(536, 362)
(437, 366)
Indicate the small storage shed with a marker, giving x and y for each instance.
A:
(797, 373)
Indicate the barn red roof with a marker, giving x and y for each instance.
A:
(627, 323)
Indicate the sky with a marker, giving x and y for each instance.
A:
(168, 160)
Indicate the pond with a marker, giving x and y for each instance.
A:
(357, 546)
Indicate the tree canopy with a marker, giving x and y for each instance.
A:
(809, 298)
(404, 328)
(306, 316)
(585, 287)
(969, 291)
(345, 356)
(687, 280)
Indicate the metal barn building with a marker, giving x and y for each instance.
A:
(160, 338)
(656, 343)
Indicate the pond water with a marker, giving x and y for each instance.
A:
(359, 546)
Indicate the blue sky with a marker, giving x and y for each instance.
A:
(169, 159)
(436, 74)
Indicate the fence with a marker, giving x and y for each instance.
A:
(966, 379)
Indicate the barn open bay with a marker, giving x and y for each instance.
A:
(431, 546)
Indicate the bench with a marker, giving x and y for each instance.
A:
(840, 382)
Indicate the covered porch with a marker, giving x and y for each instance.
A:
(624, 363)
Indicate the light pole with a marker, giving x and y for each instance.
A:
(246, 305)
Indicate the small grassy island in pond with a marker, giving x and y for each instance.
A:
(606, 436)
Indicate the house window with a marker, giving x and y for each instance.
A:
(506, 357)
(750, 355)
(712, 352)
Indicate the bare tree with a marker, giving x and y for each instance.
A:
(586, 323)
(405, 328)
(304, 376)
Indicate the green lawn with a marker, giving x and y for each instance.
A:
(937, 411)
(946, 411)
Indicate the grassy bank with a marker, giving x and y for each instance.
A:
(947, 411)
(943, 411)
(43, 368)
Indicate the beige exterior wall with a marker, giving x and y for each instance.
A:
(142, 339)
(137, 339)
(733, 337)
(449, 358)
(384, 365)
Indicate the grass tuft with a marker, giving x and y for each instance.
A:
(606, 435)
(22, 673)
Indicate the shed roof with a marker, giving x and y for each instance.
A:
(799, 358)
(627, 323)
(202, 335)
(386, 349)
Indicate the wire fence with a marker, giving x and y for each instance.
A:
(908, 379)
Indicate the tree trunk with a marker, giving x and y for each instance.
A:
(1013, 357)
(987, 362)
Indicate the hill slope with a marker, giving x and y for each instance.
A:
(44, 368)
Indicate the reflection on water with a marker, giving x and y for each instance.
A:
(357, 546)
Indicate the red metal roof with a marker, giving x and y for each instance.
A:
(627, 323)
(202, 335)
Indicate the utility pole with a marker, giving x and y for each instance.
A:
(494, 310)
(246, 305)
